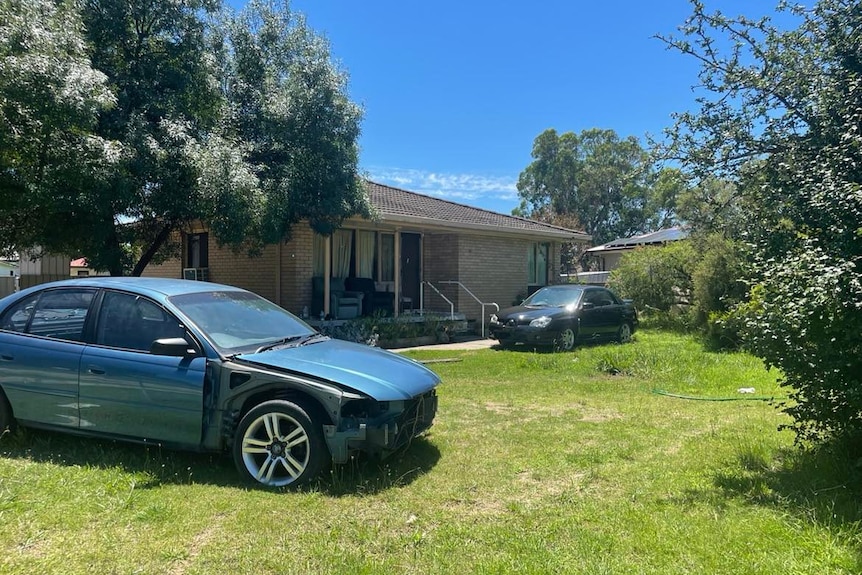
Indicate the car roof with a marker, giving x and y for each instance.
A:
(165, 287)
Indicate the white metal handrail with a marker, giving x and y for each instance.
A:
(451, 305)
(472, 295)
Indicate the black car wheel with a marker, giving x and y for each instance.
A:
(278, 444)
(566, 340)
(624, 334)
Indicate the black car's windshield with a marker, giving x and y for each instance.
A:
(240, 322)
(554, 296)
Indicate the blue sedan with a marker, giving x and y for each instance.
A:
(205, 367)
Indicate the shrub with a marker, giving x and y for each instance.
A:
(656, 278)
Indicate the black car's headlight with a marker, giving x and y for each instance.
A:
(494, 318)
(541, 322)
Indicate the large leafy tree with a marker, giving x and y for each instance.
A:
(288, 105)
(50, 99)
(780, 116)
(243, 125)
(607, 184)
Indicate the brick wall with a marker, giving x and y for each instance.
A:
(440, 262)
(494, 269)
(171, 268)
(297, 269)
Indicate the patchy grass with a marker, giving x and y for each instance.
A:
(538, 463)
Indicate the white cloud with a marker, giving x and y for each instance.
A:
(464, 188)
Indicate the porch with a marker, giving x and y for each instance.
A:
(406, 330)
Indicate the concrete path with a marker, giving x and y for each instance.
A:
(460, 345)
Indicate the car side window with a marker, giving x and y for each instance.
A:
(604, 298)
(18, 316)
(58, 314)
(133, 322)
(592, 297)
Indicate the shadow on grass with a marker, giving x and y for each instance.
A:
(821, 486)
(153, 466)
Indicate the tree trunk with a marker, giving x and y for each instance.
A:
(148, 255)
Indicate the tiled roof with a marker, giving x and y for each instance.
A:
(659, 237)
(395, 203)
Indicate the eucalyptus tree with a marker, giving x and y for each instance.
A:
(609, 185)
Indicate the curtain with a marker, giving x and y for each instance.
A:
(387, 262)
(542, 264)
(537, 263)
(318, 256)
(365, 250)
(531, 264)
(342, 246)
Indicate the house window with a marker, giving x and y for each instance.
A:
(355, 253)
(366, 253)
(537, 263)
(198, 252)
(342, 250)
(387, 257)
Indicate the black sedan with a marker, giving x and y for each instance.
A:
(562, 315)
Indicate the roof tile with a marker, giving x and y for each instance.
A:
(397, 202)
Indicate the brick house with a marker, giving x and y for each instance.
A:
(417, 249)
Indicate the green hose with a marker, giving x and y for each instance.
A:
(741, 398)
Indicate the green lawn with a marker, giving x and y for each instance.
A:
(538, 463)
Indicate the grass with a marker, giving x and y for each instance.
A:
(538, 463)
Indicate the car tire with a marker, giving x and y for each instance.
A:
(6, 420)
(566, 340)
(624, 334)
(278, 444)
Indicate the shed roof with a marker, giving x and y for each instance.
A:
(652, 238)
(398, 205)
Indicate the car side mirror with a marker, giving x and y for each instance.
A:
(172, 346)
(587, 305)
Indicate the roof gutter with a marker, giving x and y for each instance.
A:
(432, 223)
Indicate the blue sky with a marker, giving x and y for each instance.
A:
(455, 91)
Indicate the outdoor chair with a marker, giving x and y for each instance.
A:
(374, 301)
(343, 304)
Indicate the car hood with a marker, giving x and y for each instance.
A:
(524, 313)
(380, 374)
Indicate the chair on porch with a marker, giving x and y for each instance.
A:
(374, 301)
(343, 304)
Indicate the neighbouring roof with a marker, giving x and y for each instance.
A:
(79, 263)
(652, 238)
(397, 205)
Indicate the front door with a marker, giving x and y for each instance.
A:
(411, 267)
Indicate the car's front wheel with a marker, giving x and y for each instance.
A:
(566, 340)
(278, 443)
(624, 334)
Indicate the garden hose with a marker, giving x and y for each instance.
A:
(735, 398)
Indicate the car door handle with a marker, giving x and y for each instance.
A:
(6, 358)
(95, 370)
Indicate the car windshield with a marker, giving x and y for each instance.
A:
(240, 322)
(554, 296)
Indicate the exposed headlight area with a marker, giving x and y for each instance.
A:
(364, 409)
(541, 322)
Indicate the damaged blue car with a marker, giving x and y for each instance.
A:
(205, 367)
